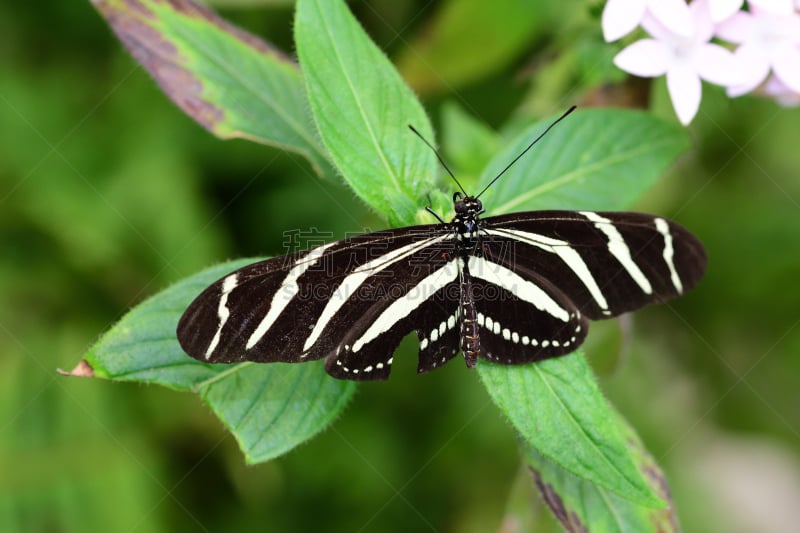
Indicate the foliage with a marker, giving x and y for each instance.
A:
(90, 231)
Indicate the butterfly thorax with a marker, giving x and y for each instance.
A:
(468, 209)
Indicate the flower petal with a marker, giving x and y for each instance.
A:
(703, 23)
(737, 28)
(673, 14)
(685, 91)
(647, 58)
(789, 28)
(718, 65)
(722, 9)
(657, 30)
(620, 17)
(753, 65)
(779, 7)
(786, 64)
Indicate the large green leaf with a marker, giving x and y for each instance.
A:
(582, 506)
(231, 82)
(558, 409)
(270, 409)
(595, 159)
(362, 108)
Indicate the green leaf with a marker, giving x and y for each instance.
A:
(583, 506)
(454, 50)
(557, 408)
(362, 108)
(596, 159)
(270, 409)
(231, 82)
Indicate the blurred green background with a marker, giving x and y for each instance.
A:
(108, 193)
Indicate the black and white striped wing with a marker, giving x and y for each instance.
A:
(539, 276)
(522, 317)
(350, 301)
(605, 263)
(430, 307)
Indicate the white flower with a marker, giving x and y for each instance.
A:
(767, 41)
(779, 7)
(620, 17)
(722, 9)
(684, 60)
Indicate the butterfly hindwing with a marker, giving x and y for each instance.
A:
(439, 329)
(367, 348)
(522, 317)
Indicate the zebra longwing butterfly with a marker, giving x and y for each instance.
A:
(513, 289)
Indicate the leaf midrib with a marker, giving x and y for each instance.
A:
(582, 431)
(570, 176)
(360, 108)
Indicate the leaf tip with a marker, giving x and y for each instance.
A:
(82, 370)
(662, 497)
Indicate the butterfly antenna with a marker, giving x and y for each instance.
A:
(439, 157)
(559, 119)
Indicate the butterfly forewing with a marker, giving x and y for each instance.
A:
(302, 306)
(606, 263)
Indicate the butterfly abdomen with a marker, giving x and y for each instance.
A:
(470, 339)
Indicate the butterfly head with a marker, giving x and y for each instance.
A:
(466, 206)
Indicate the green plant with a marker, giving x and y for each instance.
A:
(586, 459)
